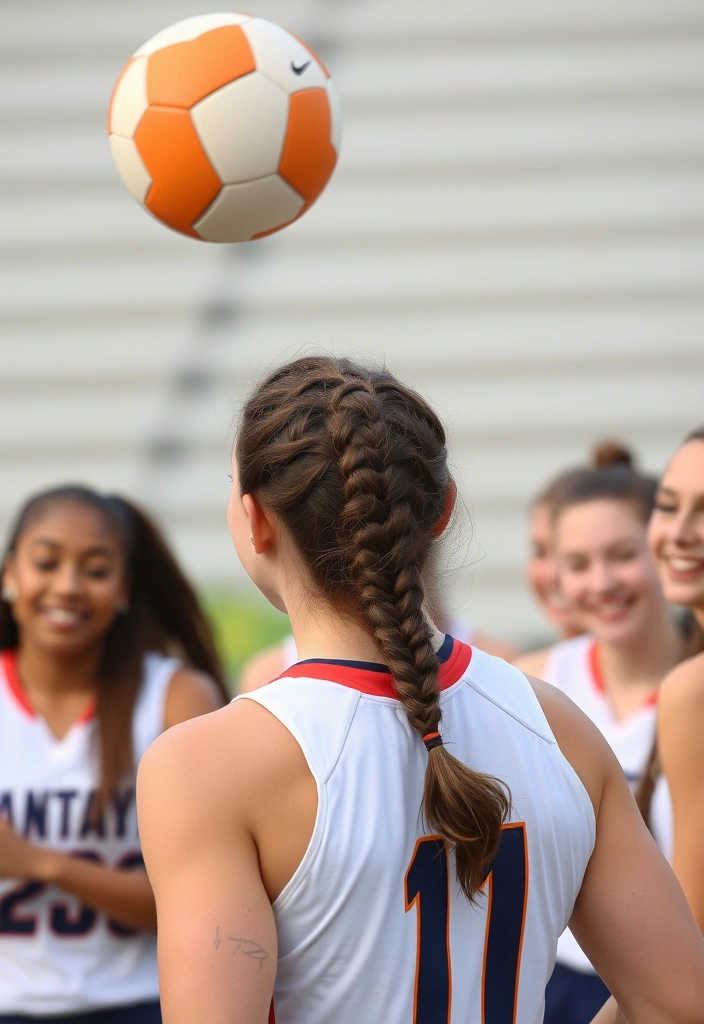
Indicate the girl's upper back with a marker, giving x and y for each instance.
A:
(374, 911)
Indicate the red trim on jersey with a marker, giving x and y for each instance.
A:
(8, 659)
(272, 1013)
(88, 714)
(598, 677)
(595, 669)
(9, 664)
(375, 682)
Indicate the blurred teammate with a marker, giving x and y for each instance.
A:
(631, 640)
(541, 570)
(677, 541)
(283, 836)
(93, 610)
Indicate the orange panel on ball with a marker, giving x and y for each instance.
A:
(183, 182)
(184, 73)
(308, 157)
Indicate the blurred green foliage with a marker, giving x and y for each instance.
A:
(242, 626)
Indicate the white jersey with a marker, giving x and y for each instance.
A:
(373, 916)
(57, 956)
(573, 667)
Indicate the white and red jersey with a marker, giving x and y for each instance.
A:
(373, 923)
(57, 956)
(573, 667)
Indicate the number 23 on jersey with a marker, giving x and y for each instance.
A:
(427, 889)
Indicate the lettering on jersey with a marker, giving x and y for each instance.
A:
(68, 813)
(35, 815)
(66, 796)
(122, 803)
(6, 808)
(93, 823)
(67, 920)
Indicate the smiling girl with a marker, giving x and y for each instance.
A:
(676, 537)
(102, 647)
(630, 641)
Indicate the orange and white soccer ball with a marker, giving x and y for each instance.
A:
(225, 127)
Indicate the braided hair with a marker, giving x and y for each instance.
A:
(354, 464)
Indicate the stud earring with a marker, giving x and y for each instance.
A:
(251, 540)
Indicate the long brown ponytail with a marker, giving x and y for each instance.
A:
(355, 466)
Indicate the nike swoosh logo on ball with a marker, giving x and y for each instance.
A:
(299, 70)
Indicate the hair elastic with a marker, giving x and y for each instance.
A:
(432, 739)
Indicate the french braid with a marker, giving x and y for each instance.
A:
(355, 465)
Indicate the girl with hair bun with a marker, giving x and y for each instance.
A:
(542, 570)
(102, 647)
(629, 641)
(677, 542)
(398, 828)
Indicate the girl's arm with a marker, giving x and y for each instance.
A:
(680, 731)
(123, 895)
(196, 790)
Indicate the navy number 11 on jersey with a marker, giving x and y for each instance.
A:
(427, 889)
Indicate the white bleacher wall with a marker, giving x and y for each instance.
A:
(516, 226)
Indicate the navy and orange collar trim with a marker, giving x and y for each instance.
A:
(376, 680)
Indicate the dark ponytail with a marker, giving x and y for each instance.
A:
(163, 615)
(355, 465)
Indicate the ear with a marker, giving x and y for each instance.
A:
(450, 499)
(261, 527)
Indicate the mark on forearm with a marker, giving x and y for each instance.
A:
(218, 940)
(249, 948)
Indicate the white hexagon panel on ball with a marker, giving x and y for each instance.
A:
(282, 57)
(130, 167)
(129, 99)
(243, 212)
(189, 28)
(242, 128)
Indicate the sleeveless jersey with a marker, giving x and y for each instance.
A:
(373, 920)
(572, 666)
(57, 956)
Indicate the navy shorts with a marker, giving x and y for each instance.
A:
(143, 1013)
(573, 997)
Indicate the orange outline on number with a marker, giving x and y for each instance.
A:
(416, 902)
(489, 882)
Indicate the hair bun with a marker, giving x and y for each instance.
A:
(611, 453)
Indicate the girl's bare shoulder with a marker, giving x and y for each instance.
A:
(682, 691)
